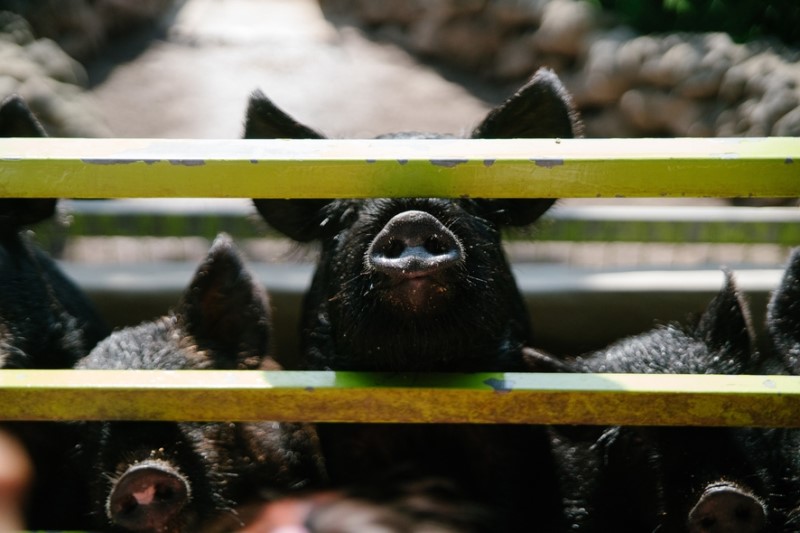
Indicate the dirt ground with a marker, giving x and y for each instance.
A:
(191, 78)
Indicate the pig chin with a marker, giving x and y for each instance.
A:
(416, 295)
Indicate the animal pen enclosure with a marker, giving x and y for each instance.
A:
(633, 168)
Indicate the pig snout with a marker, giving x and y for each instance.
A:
(148, 497)
(414, 244)
(723, 507)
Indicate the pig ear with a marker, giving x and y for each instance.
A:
(225, 310)
(266, 121)
(542, 108)
(783, 314)
(297, 219)
(16, 120)
(725, 327)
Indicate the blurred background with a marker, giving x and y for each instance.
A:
(359, 68)
(184, 68)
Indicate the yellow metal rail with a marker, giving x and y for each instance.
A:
(117, 168)
(207, 395)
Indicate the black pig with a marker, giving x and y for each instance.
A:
(46, 321)
(422, 284)
(171, 477)
(667, 479)
(783, 316)
(782, 447)
(416, 283)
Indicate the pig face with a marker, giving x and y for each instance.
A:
(171, 477)
(416, 283)
(45, 320)
(681, 480)
(670, 479)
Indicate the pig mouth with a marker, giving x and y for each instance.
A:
(416, 293)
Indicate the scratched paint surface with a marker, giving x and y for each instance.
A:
(517, 168)
(116, 168)
(430, 398)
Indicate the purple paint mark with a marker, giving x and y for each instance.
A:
(187, 162)
(310, 389)
(448, 163)
(488, 162)
(118, 161)
(548, 163)
(500, 385)
(403, 161)
(789, 161)
(371, 161)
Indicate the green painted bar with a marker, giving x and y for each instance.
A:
(161, 224)
(707, 400)
(515, 168)
(121, 168)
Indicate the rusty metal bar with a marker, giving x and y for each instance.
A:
(204, 395)
(515, 168)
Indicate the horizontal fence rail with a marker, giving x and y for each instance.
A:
(181, 217)
(153, 168)
(214, 395)
(515, 168)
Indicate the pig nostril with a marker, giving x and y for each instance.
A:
(743, 513)
(128, 505)
(394, 248)
(434, 245)
(165, 493)
(708, 522)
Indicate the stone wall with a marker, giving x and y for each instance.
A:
(50, 81)
(41, 44)
(626, 85)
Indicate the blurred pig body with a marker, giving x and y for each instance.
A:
(46, 321)
(177, 477)
(668, 479)
(782, 448)
(423, 285)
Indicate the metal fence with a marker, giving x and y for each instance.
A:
(602, 168)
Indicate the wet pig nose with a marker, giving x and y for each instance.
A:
(726, 508)
(414, 244)
(147, 497)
